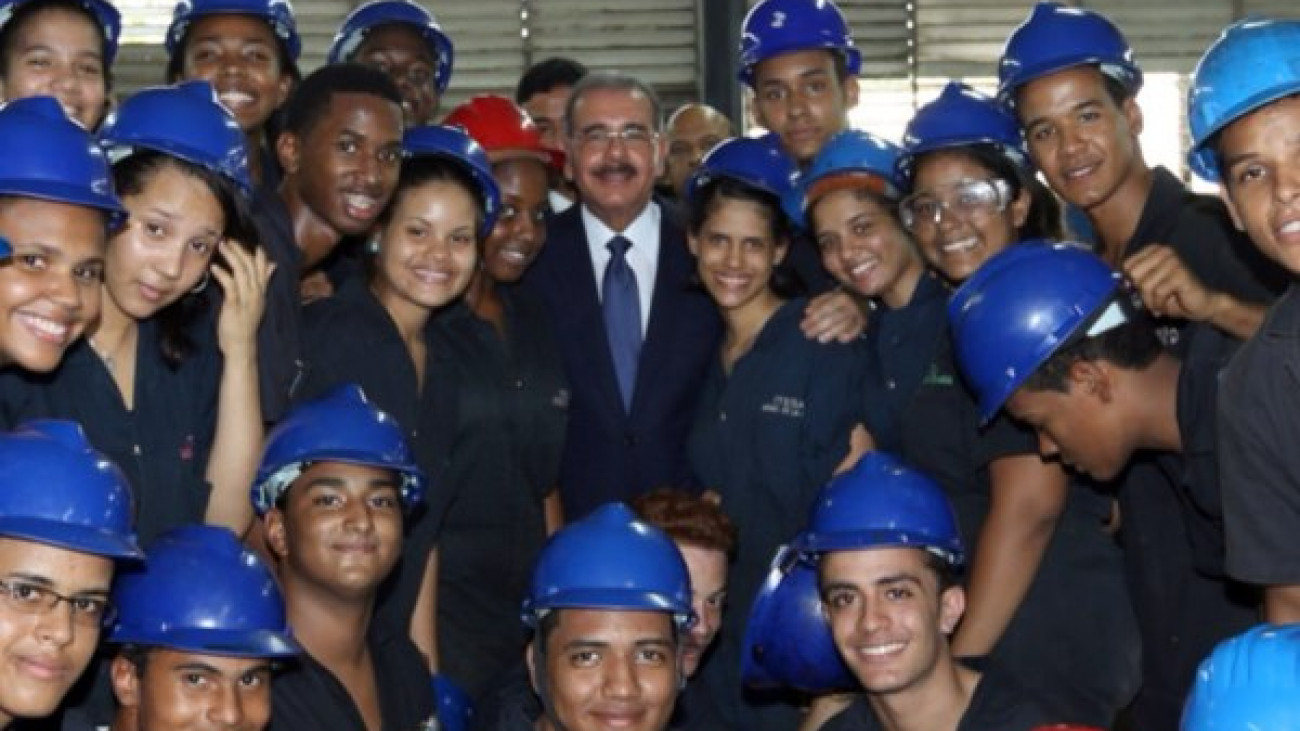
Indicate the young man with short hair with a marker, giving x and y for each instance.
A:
(1245, 119)
(888, 554)
(66, 516)
(197, 653)
(335, 480)
(1070, 76)
(1050, 334)
(609, 604)
(543, 91)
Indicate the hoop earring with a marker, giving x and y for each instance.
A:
(202, 285)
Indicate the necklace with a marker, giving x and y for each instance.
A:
(105, 357)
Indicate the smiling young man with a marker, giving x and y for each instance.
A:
(1244, 114)
(1070, 76)
(888, 554)
(611, 598)
(334, 481)
(65, 517)
(1048, 333)
(341, 151)
(197, 655)
(405, 41)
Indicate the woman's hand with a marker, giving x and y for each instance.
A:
(243, 281)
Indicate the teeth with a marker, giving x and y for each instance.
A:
(232, 99)
(432, 276)
(45, 326)
(1290, 227)
(878, 650)
(518, 257)
(866, 266)
(957, 247)
(1080, 172)
(362, 203)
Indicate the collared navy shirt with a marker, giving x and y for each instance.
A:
(767, 437)
(162, 444)
(350, 338)
(307, 696)
(279, 337)
(512, 399)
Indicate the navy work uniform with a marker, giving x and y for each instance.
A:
(997, 704)
(1259, 418)
(767, 438)
(161, 444)
(279, 336)
(509, 432)
(1154, 533)
(1081, 666)
(350, 338)
(307, 697)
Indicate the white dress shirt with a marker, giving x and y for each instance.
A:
(643, 256)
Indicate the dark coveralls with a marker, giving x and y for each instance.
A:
(767, 438)
(307, 696)
(511, 403)
(1155, 532)
(349, 338)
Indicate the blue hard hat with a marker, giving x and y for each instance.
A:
(46, 155)
(788, 642)
(848, 152)
(1021, 307)
(200, 590)
(455, 708)
(108, 17)
(58, 490)
(277, 13)
(1250, 682)
(402, 12)
(757, 162)
(774, 27)
(1251, 63)
(455, 144)
(610, 560)
(341, 426)
(1056, 37)
(882, 503)
(959, 117)
(185, 121)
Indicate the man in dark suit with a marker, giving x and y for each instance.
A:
(636, 335)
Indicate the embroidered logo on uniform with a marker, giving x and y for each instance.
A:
(778, 19)
(785, 406)
(187, 448)
(561, 399)
(936, 377)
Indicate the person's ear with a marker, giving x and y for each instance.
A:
(276, 539)
(952, 605)
(125, 681)
(1133, 115)
(1093, 378)
(288, 152)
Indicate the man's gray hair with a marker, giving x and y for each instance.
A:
(612, 81)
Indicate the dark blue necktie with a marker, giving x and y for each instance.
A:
(622, 308)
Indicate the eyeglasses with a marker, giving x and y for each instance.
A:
(964, 199)
(28, 598)
(632, 136)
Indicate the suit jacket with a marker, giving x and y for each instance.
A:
(610, 454)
